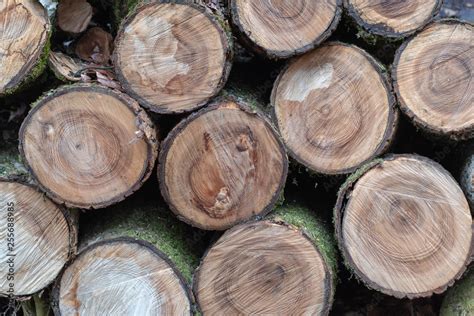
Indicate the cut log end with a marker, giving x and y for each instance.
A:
(126, 277)
(64, 67)
(404, 226)
(73, 16)
(274, 260)
(88, 146)
(433, 79)
(334, 108)
(24, 29)
(172, 58)
(222, 165)
(36, 239)
(281, 29)
(393, 19)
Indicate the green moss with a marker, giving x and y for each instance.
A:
(246, 96)
(459, 301)
(305, 220)
(152, 224)
(34, 73)
(359, 173)
(10, 161)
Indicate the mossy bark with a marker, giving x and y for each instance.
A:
(294, 219)
(34, 73)
(11, 167)
(467, 175)
(459, 300)
(147, 222)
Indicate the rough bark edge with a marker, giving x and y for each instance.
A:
(457, 298)
(219, 23)
(72, 220)
(330, 263)
(243, 35)
(31, 71)
(215, 105)
(454, 135)
(11, 168)
(143, 123)
(467, 172)
(55, 297)
(63, 78)
(383, 30)
(393, 115)
(344, 196)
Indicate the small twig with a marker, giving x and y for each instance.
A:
(78, 73)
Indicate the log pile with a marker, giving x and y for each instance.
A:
(156, 174)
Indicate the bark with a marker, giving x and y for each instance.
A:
(435, 96)
(167, 83)
(335, 109)
(26, 28)
(123, 250)
(460, 299)
(11, 167)
(222, 165)
(88, 146)
(289, 259)
(467, 176)
(278, 30)
(404, 213)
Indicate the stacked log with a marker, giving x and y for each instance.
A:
(334, 109)
(404, 226)
(222, 165)
(24, 44)
(282, 29)
(392, 19)
(183, 53)
(402, 223)
(88, 146)
(37, 237)
(288, 259)
(132, 261)
(432, 75)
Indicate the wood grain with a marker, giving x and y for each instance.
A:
(433, 79)
(65, 67)
(404, 226)
(24, 33)
(88, 146)
(172, 57)
(263, 268)
(122, 277)
(282, 28)
(334, 108)
(391, 18)
(42, 238)
(74, 15)
(222, 165)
